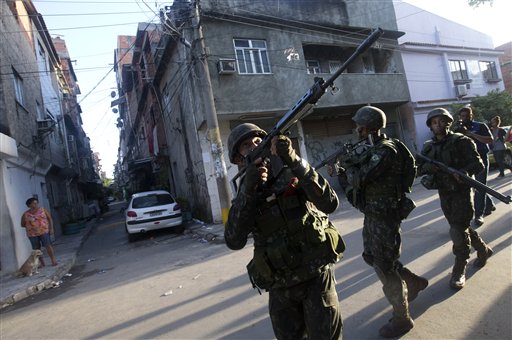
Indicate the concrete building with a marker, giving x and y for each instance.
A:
(260, 60)
(445, 63)
(506, 65)
(34, 158)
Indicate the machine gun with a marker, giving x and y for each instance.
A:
(303, 106)
(466, 179)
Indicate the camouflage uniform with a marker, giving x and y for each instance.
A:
(290, 229)
(459, 152)
(376, 177)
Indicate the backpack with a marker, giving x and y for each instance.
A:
(408, 166)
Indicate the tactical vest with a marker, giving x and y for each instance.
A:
(384, 195)
(446, 152)
(293, 241)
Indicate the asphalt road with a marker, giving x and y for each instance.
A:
(172, 286)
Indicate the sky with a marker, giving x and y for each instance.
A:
(90, 29)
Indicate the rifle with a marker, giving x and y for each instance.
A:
(304, 105)
(346, 149)
(466, 179)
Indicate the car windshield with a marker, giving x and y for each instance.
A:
(152, 201)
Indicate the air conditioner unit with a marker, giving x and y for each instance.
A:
(462, 90)
(226, 66)
(45, 125)
(71, 138)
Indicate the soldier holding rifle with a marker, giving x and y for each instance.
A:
(377, 177)
(458, 152)
(295, 244)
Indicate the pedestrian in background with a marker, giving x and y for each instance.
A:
(459, 152)
(482, 136)
(498, 145)
(38, 224)
(378, 176)
(295, 244)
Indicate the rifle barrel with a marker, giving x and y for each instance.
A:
(468, 180)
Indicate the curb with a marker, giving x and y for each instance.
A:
(51, 282)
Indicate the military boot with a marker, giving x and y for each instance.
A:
(395, 291)
(414, 283)
(458, 279)
(482, 256)
(399, 324)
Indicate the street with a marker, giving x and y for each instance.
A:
(176, 287)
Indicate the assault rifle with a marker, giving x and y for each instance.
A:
(346, 149)
(466, 179)
(304, 105)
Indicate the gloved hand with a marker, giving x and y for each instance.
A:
(255, 174)
(282, 146)
(429, 168)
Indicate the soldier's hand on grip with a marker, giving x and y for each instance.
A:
(282, 147)
(256, 173)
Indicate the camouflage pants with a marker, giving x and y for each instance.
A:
(309, 310)
(458, 209)
(381, 242)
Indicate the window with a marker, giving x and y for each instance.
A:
(18, 87)
(488, 69)
(313, 66)
(252, 56)
(334, 65)
(458, 70)
(42, 54)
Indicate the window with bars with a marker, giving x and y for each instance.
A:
(252, 56)
(313, 66)
(489, 71)
(458, 70)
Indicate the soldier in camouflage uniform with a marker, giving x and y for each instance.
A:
(459, 152)
(295, 244)
(378, 177)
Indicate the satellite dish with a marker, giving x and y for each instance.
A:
(114, 110)
(113, 94)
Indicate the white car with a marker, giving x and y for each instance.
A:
(151, 210)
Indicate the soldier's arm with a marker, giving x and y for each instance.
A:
(316, 187)
(240, 221)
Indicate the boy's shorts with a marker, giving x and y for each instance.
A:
(43, 240)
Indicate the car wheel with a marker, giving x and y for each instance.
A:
(507, 159)
(131, 237)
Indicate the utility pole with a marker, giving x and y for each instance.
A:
(212, 123)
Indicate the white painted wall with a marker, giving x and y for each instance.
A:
(430, 41)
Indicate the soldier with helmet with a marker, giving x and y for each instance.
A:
(378, 178)
(459, 152)
(295, 244)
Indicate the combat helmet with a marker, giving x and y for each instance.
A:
(239, 134)
(439, 112)
(370, 117)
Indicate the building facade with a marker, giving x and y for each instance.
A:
(445, 63)
(34, 158)
(259, 61)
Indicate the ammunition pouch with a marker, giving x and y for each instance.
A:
(297, 251)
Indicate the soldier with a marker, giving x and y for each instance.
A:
(295, 245)
(459, 152)
(378, 178)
